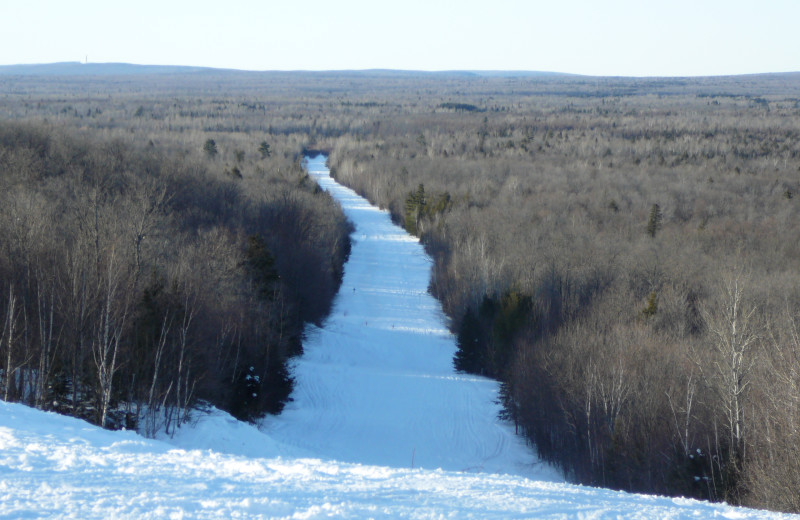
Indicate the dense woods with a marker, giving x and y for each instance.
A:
(140, 279)
(621, 254)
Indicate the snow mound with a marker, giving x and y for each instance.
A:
(60, 467)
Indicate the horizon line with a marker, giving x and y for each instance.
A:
(398, 70)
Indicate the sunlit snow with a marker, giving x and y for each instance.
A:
(376, 384)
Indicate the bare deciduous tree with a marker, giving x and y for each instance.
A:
(9, 340)
(108, 335)
(735, 332)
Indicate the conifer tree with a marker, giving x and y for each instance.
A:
(210, 148)
(264, 150)
(470, 354)
(414, 209)
(261, 265)
(654, 220)
(651, 307)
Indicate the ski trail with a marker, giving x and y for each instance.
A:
(376, 384)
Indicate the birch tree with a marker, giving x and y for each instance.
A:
(734, 333)
(7, 339)
(108, 336)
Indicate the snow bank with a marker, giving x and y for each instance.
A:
(59, 467)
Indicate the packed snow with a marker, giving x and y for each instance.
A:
(376, 383)
(380, 426)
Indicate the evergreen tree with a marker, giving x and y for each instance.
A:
(210, 148)
(654, 220)
(439, 205)
(421, 196)
(414, 209)
(278, 385)
(470, 356)
(264, 150)
(512, 314)
(246, 396)
(261, 265)
(651, 307)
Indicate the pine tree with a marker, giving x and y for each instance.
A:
(411, 214)
(511, 315)
(654, 220)
(441, 204)
(278, 385)
(414, 209)
(651, 307)
(264, 150)
(470, 356)
(210, 148)
(261, 265)
(421, 196)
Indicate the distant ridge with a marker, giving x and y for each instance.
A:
(522, 74)
(468, 73)
(75, 68)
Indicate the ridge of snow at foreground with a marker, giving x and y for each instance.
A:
(380, 426)
(53, 466)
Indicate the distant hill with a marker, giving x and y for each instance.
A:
(467, 73)
(521, 74)
(75, 68)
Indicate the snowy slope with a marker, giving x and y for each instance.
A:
(59, 467)
(376, 384)
(375, 395)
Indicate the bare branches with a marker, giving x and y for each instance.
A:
(735, 332)
(108, 335)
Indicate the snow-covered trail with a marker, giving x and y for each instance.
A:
(376, 383)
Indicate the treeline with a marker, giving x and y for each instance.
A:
(135, 282)
(626, 266)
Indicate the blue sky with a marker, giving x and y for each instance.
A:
(611, 37)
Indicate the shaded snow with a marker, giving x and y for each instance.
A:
(375, 394)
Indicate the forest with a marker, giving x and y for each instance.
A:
(620, 253)
(145, 272)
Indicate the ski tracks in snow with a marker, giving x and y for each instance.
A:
(376, 383)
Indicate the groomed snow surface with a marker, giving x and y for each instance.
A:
(376, 384)
(380, 427)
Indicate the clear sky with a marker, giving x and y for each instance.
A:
(597, 37)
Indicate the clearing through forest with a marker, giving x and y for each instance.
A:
(376, 383)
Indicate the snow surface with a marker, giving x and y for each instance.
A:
(375, 395)
(53, 466)
(376, 383)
